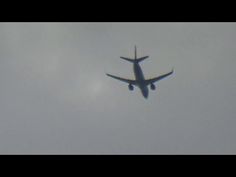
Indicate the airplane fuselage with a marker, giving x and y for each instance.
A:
(140, 79)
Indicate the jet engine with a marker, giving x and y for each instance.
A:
(131, 87)
(153, 87)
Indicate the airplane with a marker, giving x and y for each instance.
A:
(140, 81)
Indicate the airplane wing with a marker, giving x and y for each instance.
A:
(150, 81)
(133, 82)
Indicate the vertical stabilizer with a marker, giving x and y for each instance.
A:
(135, 52)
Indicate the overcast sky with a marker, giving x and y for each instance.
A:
(56, 99)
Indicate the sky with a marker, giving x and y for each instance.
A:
(56, 99)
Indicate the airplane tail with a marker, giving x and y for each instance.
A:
(135, 57)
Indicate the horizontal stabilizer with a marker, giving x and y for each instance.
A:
(127, 59)
(142, 58)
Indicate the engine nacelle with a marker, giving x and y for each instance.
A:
(131, 87)
(153, 87)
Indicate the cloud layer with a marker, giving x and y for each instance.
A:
(56, 99)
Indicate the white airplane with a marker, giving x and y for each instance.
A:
(140, 81)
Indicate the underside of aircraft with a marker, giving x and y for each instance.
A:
(140, 81)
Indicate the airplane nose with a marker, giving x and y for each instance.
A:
(145, 95)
